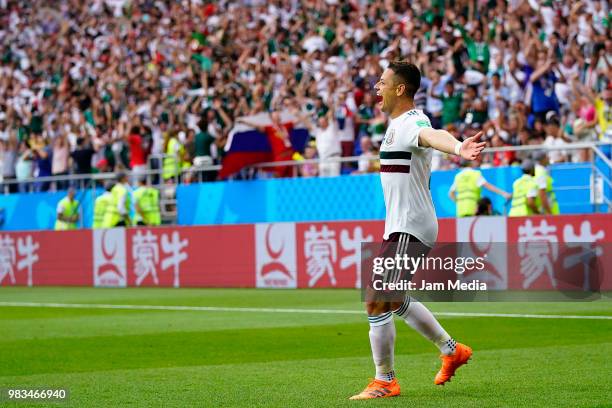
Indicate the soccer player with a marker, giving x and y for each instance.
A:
(405, 166)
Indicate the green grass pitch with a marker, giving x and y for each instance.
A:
(193, 358)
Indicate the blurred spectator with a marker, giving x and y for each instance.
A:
(82, 155)
(138, 155)
(94, 70)
(497, 96)
(477, 48)
(586, 121)
(4, 132)
(309, 169)
(543, 80)
(67, 212)
(204, 148)
(327, 140)
(554, 138)
(24, 166)
(451, 103)
(365, 114)
(485, 207)
(473, 108)
(434, 105)
(366, 163)
(329, 145)
(345, 114)
(60, 159)
(8, 160)
(278, 137)
(501, 158)
(42, 153)
(174, 153)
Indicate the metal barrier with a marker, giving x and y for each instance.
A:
(600, 179)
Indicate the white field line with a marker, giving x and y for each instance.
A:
(278, 310)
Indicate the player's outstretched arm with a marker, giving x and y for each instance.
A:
(445, 142)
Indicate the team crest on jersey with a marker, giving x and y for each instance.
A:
(390, 137)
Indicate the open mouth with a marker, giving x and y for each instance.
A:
(379, 99)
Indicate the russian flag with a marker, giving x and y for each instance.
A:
(247, 145)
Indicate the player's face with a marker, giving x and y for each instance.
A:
(386, 91)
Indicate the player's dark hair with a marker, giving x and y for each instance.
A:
(407, 74)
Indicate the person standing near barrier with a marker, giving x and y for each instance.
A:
(524, 192)
(467, 187)
(174, 152)
(327, 140)
(67, 212)
(485, 207)
(546, 200)
(101, 206)
(118, 211)
(146, 204)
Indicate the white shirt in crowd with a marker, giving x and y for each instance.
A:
(555, 156)
(328, 145)
(328, 141)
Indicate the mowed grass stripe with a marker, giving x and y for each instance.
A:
(523, 377)
(347, 299)
(112, 322)
(166, 348)
(277, 310)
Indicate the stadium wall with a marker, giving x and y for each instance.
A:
(270, 255)
(356, 197)
(37, 211)
(345, 198)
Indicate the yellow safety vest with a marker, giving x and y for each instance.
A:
(100, 207)
(540, 171)
(147, 198)
(70, 208)
(467, 192)
(520, 189)
(112, 216)
(174, 156)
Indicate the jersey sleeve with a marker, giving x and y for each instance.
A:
(60, 208)
(541, 181)
(122, 207)
(481, 181)
(411, 130)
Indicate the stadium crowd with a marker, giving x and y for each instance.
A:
(101, 85)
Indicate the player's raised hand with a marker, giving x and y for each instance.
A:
(472, 146)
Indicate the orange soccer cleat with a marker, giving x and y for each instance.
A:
(379, 389)
(451, 363)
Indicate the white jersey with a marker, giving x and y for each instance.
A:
(405, 169)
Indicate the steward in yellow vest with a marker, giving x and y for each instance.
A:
(146, 205)
(67, 212)
(101, 205)
(467, 187)
(174, 157)
(118, 211)
(546, 199)
(524, 192)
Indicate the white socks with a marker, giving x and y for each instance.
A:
(382, 341)
(382, 335)
(420, 319)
